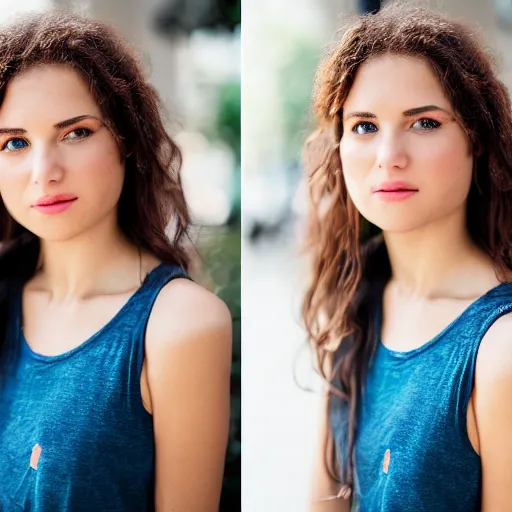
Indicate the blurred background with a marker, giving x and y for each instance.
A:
(282, 44)
(192, 52)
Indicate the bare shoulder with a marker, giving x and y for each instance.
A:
(493, 412)
(184, 310)
(494, 359)
(493, 372)
(189, 328)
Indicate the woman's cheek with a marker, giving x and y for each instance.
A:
(356, 188)
(357, 163)
(11, 191)
(450, 168)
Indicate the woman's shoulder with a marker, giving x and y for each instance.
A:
(495, 351)
(182, 304)
(493, 407)
(188, 341)
(186, 312)
(493, 370)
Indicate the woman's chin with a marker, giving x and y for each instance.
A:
(61, 234)
(398, 225)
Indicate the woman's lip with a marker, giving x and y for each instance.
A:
(54, 208)
(57, 198)
(394, 195)
(393, 186)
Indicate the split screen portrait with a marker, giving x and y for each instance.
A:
(356, 156)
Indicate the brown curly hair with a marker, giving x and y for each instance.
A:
(350, 261)
(152, 200)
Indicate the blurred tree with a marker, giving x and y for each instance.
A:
(185, 16)
(228, 113)
(227, 129)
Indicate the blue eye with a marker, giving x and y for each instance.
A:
(362, 127)
(427, 123)
(14, 144)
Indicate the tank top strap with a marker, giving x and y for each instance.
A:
(156, 279)
(478, 319)
(486, 310)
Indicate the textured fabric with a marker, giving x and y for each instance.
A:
(413, 452)
(79, 419)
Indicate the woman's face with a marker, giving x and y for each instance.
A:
(406, 161)
(47, 155)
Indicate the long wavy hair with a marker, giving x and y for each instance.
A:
(152, 211)
(350, 261)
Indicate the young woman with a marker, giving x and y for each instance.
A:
(409, 309)
(115, 366)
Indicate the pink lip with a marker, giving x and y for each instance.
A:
(394, 191)
(54, 204)
(395, 195)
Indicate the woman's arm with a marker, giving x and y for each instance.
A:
(493, 411)
(188, 357)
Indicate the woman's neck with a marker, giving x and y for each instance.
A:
(99, 261)
(439, 260)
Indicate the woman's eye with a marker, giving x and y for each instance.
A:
(79, 133)
(364, 127)
(427, 124)
(15, 144)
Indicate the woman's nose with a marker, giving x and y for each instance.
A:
(45, 164)
(391, 151)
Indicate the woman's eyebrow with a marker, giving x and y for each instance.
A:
(60, 125)
(74, 120)
(407, 113)
(419, 110)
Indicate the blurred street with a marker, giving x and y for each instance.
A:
(279, 419)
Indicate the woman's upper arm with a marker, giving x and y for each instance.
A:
(493, 411)
(188, 358)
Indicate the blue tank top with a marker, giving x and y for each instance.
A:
(74, 434)
(412, 450)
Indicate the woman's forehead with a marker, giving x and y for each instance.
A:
(396, 82)
(47, 91)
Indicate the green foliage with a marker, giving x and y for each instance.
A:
(228, 130)
(228, 117)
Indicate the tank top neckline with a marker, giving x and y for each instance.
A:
(406, 354)
(26, 349)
